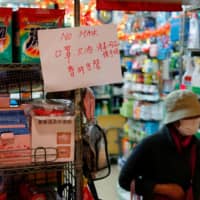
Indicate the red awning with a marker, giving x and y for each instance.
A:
(139, 5)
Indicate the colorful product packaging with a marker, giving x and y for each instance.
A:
(5, 35)
(28, 22)
(53, 138)
(15, 138)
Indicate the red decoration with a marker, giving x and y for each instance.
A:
(142, 5)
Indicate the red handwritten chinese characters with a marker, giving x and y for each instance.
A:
(91, 54)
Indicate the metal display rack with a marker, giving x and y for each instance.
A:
(13, 78)
(21, 79)
(64, 176)
(25, 79)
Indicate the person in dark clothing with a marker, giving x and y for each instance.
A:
(166, 165)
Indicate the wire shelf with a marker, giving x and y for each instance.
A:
(23, 161)
(22, 80)
(51, 177)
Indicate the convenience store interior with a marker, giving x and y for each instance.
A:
(155, 50)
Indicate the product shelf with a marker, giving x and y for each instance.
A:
(20, 66)
(21, 82)
(32, 168)
(24, 162)
(192, 8)
(52, 176)
(194, 49)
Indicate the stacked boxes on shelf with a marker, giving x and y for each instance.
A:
(48, 135)
(15, 137)
(53, 132)
(55, 136)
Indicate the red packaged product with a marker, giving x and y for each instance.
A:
(5, 35)
(28, 22)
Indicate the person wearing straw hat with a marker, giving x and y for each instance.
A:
(166, 165)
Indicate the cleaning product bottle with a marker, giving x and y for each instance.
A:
(105, 110)
(187, 77)
(193, 41)
(196, 73)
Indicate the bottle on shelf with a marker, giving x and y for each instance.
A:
(193, 42)
(187, 77)
(105, 110)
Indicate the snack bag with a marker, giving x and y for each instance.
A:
(29, 21)
(5, 35)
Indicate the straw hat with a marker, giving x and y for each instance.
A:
(181, 104)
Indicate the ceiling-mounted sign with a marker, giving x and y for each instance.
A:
(79, 57)
(139, 5)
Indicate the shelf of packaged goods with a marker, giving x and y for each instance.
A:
(192, 8)
(22, 80)
(24, 162)
(103, 97)
(194, 49)
(129, 97)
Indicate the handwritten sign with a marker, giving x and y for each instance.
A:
(79, 57)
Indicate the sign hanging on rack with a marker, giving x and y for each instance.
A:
(139, 5)
(79, 57)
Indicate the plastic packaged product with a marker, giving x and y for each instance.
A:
(175, 28)
(53, 107)
(148, 78)
(127, 76)
(187, 77)
(127, 88)
(157, 111)
(147, 67)
(136, 110)
(127, 108)
(105, 110)
(153, 51)
(146, 112)
(129, 66)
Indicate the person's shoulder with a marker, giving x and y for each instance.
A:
(151, 139)
(156, 137)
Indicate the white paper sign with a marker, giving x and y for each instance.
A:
(79, 57)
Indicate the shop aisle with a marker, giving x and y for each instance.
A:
(108, 188)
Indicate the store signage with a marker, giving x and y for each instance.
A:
(139, 5)
(79, 57)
